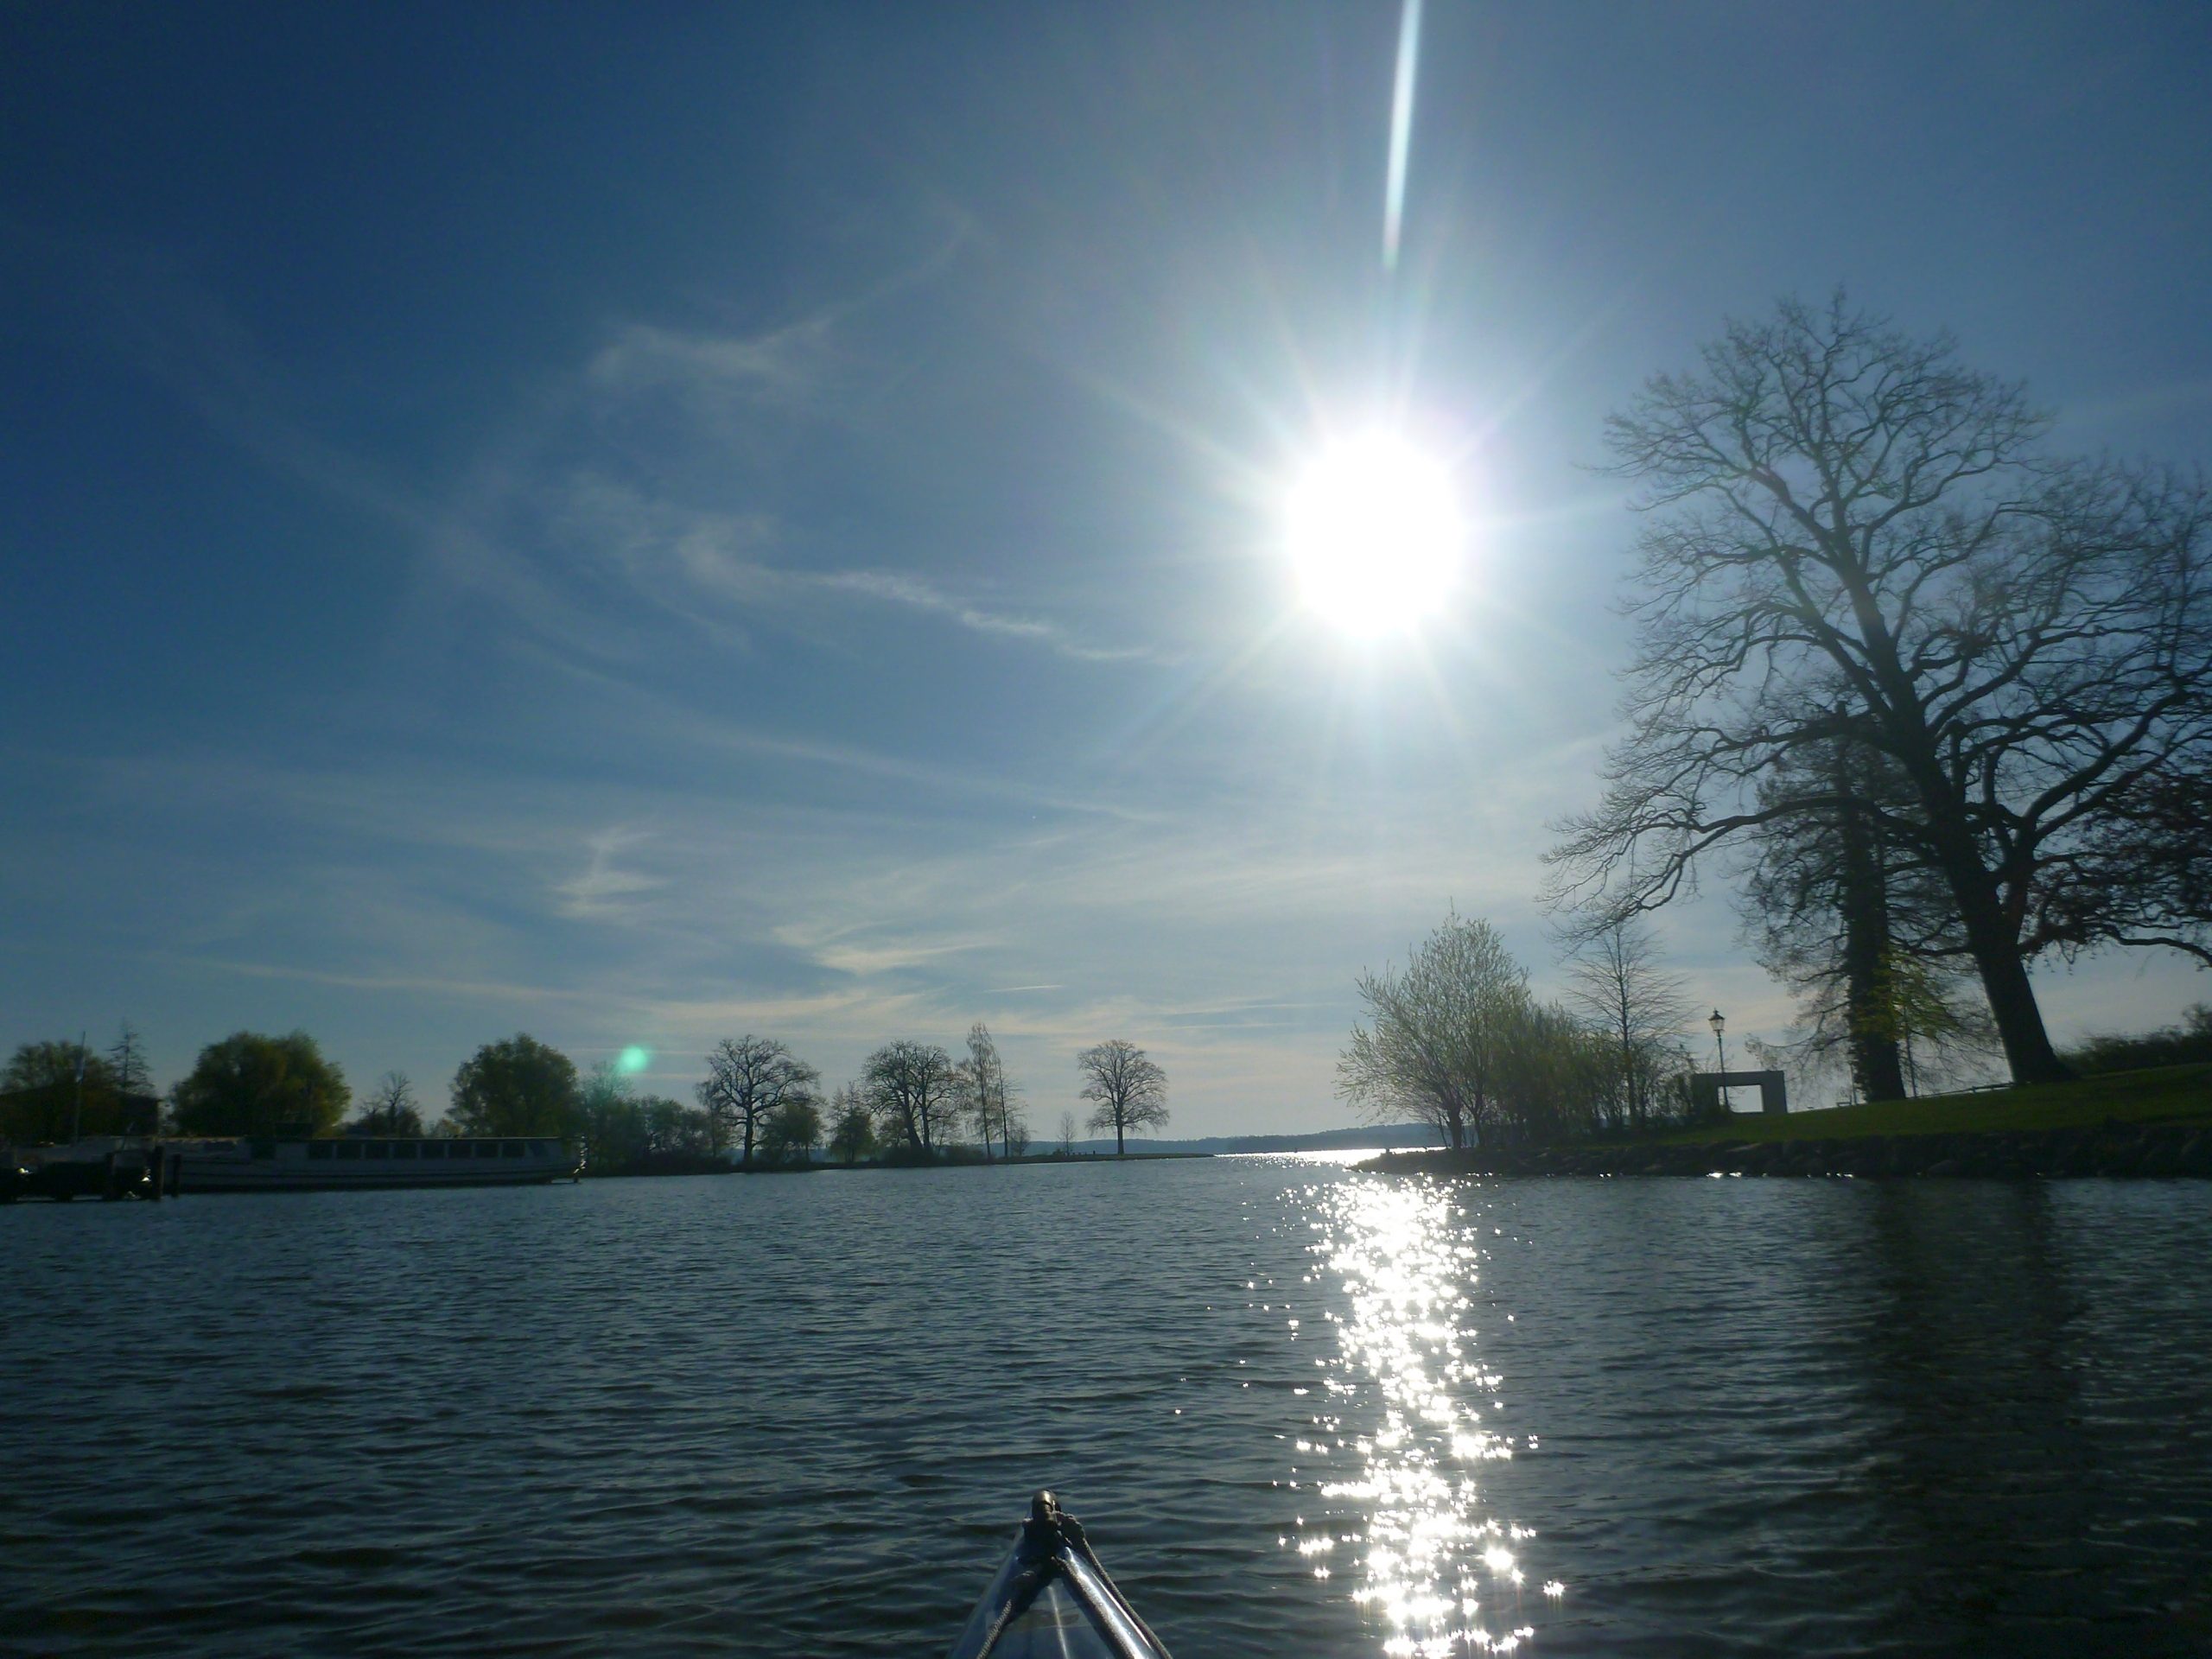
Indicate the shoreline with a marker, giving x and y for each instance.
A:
(2146, 1151)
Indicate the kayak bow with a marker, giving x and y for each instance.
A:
(1052, 1600)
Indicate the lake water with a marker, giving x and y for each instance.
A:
(1302, 1411)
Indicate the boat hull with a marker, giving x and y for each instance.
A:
(353, 1165)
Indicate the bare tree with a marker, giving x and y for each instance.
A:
(127, 1059)
(389, 1108)
(992, 1096)
(1439, 1036)
(1851, 536)
(914, 1089)
(134, 1082)
(1615, 979)
(747, 1078)
(1130, 1090)
(1067, 1135)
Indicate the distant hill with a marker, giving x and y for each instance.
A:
(1392, 1134)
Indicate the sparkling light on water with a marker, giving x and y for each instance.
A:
(1405, 1396)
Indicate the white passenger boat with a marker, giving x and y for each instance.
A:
(266, 1164)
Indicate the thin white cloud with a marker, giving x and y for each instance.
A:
(784, 367)
(604, 890)
(912, 591)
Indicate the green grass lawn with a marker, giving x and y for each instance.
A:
(2169, 1094)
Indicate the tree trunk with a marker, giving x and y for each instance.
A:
(745, 1160)
(1865, 906)
(1994, 943)
(1996, 952)
(1119, 1150)
(2019, 1022)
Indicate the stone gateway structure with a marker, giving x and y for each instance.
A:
(1705, 1099)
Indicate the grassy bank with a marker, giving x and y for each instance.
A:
(2171, 1094)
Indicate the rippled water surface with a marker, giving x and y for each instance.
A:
(1302, 1411)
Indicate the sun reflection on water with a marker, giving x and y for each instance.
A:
(1400, 1439)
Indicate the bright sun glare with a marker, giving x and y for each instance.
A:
(1375, 534)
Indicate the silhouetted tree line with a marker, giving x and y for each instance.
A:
(913, 1101)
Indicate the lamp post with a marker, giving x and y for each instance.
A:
(1719, 1048)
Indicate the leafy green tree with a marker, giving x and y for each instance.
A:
(610, 1122)
(1440, 1037)
(519, 1087)
(791, 1132)
(39, 1096)
(674, 1130)
(1557, 1074)
(852, 1129)
(249, 1084)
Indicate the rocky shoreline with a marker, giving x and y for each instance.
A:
(2146, 1150)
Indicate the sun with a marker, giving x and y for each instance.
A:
(1375, 534)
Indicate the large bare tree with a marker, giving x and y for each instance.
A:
(1129, 1089)
(390, 1107)
(748, 1079)
(915, 1092)
(1849, 537)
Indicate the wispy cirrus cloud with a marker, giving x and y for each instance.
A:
(893, 587)
(653, 460)
(783, 367)
(604, 890)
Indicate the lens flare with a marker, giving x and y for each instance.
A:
(633, 1060)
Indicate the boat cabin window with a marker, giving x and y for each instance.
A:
(377, 1149)
(434, 1148)
(482, 1148)
(514, 1148)
(319, 1149)
(349, 1148)
(402, 1148)
(263, 1146)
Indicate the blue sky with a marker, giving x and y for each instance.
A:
(642, 523)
